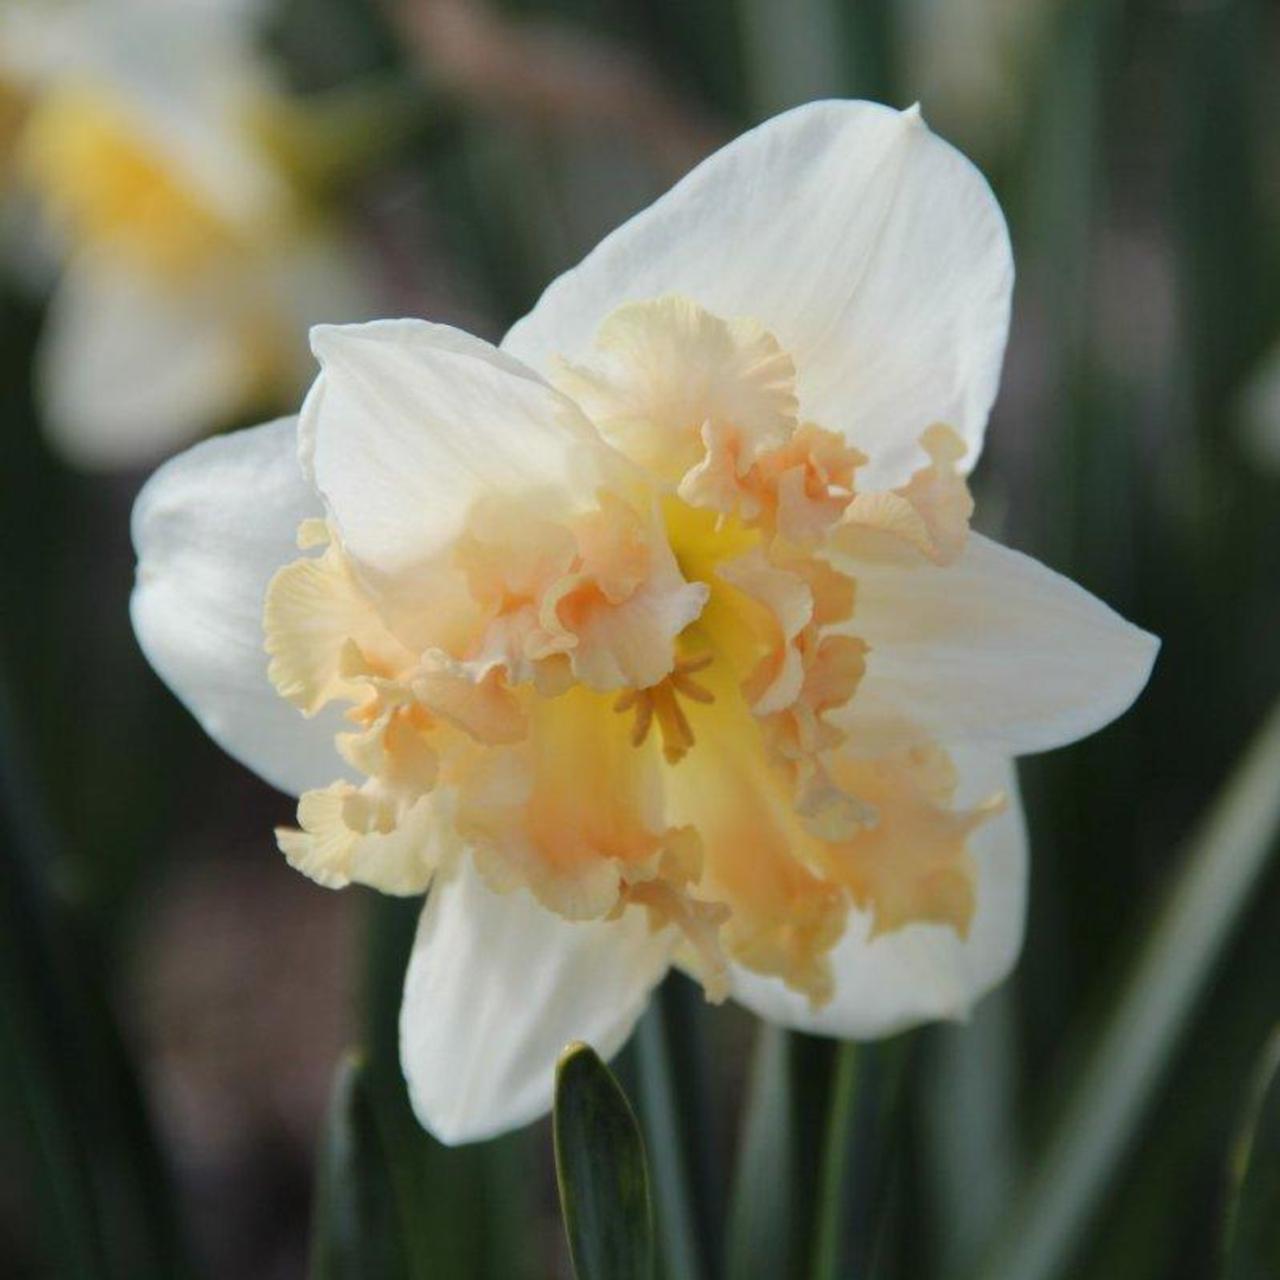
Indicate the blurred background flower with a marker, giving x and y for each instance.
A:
(148, 932)
(190, 259)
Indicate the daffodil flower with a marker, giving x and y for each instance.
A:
(190, 266)
(657, 635)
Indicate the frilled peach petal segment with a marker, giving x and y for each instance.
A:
(923, 971)
(351, 835)
(798, 490)
(780, 605)
(707, 403)
(769, 621)
(314, 610)
(666, 370)
(912, 862)
(596, 597)
(784, 917)
(576, 815)
(806, 484)
(928, 516)
(571, 814)
(625, 602)
(328, 643)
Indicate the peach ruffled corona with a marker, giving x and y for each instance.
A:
(700, 597)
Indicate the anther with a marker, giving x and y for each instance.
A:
(660, 702)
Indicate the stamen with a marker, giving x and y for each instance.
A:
(679, 678)
(677, 733)
(660, 702)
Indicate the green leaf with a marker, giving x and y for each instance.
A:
(674, 1092)
(1253, 1223)
(71, 1098)
(969, 1141)
(834, 1192)
(600, 1166)
(1126, 1064)
(855, 1178)
(352, 1225)
(761, 1216)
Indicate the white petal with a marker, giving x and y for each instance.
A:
(873, 251)
(924, 971)
(994, 649)
(210, 528)
(129, 370)
(410, 423)
(497, 986)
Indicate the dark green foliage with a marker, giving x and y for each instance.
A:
(600, 1167)
(353, 1231)
(1253, 1227)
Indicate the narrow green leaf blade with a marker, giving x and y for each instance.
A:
(71, 1099)
(1253, 1225)
(1126, 1065)
(673, 1089)
(761, 1216)
(352, 1226)
(600, 1166)
(855, 1178)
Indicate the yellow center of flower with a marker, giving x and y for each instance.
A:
(109, 182)
(716, 600)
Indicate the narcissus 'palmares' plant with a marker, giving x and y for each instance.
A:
(656, 635)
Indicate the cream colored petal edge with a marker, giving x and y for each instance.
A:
(209, 530)
(410, 423)
(995, 649)
(873, 250)
(923, 972)
(497, 986)
(128, 371)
